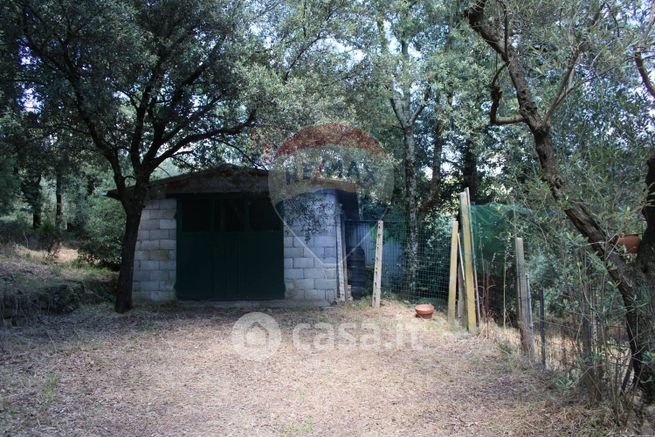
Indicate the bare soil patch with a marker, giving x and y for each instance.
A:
(173, 371)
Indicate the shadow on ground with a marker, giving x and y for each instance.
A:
(173, 370)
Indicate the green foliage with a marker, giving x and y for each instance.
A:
(8, 185)
(567, 381)
(14, 231)
(50, 237)
(103, 233)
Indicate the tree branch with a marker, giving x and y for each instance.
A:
(194, 138)
(641, 68)
(301, 52)
(397, 111)
(641, 48)
(475, 17)
(421, 106)
(566, 84)
(496, 96)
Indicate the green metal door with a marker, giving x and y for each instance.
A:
(229, 248)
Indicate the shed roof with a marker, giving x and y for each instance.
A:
(226, 178)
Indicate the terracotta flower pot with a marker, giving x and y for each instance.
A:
(424, 310)
(630, 242)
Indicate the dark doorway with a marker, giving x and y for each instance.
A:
(230, 247)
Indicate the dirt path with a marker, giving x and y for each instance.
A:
(175, 372)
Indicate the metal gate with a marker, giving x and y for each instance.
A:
(433, 261)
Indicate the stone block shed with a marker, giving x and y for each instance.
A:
(215, 235)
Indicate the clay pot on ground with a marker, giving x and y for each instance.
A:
(424, 310)
(630, 242)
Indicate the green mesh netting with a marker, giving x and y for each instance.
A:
(491, 230)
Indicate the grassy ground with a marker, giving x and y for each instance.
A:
(32, 282)
(34, 268)
(173, 371)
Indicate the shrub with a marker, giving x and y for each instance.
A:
(14, 231)
(8, 184)
(103, 233)
(49, 238)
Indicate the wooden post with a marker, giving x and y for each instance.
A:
(529, 309)
(342, 280)
(377, 273)
(452, 284)
(461, 288)
(468, 263)
(474, 255)
(542, 316)
(505, 290)
(523, 304)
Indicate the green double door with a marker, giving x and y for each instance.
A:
(229, 248)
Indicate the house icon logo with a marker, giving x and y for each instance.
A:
(256, 336)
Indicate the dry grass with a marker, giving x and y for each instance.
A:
(23, 269)
(173, 371)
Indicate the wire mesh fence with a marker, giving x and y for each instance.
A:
(432, 260)
(575, 320)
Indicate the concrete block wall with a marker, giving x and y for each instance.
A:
(310, 266)
(154, 259)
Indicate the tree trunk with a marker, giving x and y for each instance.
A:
(36, 216)
(402, 107)
(638, 300)
(435, 182)
(133, 203)
(646, 255)
(411, 209)
(470, 171)
(644, 292)
(90, 185)
(59, 195)
(31, 188)
(636, 283)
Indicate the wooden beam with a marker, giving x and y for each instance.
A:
(471, 323)
(377, 273)
(452, 284)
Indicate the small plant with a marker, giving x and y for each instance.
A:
(567, 381)
(146, 327)
(50, 386)
(506, 347)
(57, 269)
(49, 238)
